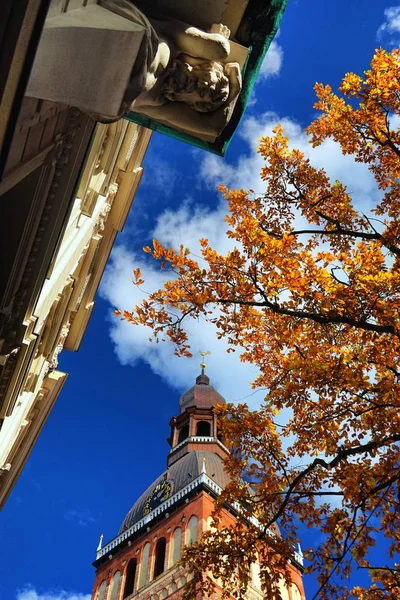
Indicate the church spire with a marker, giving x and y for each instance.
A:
(175, 509)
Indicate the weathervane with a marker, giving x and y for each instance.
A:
(203, 353)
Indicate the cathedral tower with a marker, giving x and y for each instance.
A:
(141, 562)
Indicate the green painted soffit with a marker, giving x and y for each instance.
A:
(256, 31)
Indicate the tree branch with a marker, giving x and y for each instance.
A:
(301, 314)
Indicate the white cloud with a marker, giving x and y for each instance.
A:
(391, 24)
(230, 377)
(272, 62)
(245, 173)
(186, 225)
(32, 594)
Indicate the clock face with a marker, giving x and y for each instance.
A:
(161, 492)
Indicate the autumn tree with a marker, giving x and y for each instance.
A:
(316, 309)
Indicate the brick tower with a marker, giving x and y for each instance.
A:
(140, 563)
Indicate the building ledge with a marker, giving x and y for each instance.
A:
(200, 439)
(202, 481)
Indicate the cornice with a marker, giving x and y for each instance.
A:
(202, 481)
(44, 402)
(20, 302)
(199, 439)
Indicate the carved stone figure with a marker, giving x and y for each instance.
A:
(177, 74)
(180, 63)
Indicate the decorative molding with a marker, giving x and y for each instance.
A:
(201, 439)
(201, 481)
(12, 178)
(93, 161)
(46, 397)
(132, 144)
(53, 360)
(61, 157)
(166, 580)
(180, 495)
(102, 218)
(17, 314)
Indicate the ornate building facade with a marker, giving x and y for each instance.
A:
(66, 191)
(141, 562)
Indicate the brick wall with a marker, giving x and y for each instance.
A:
(170, 583)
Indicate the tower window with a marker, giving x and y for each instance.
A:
(183, 433)
(192, 530)
(101, 594)
(159, 563)
(283, 589)
(255, 575)
(176, 545)
(130, 578)
(296, 594)
(144, 565)
(113, 595)
(203, 428)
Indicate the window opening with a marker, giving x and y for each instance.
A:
(192, 530)
(130, 578)
(176, 545)
(183, 433)
(115, 586)
(203, 428)
(160, 557)
(144, 565)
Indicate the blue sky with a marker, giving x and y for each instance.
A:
(105, 439)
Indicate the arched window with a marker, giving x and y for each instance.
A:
(203, 428)
(113, 593)
(144, 565)
(255, 575)
(192, 530)
(211, 524)
(101, 594)
(183, 433)
(176, 543)
(130, 577)
(283, 588)
(296, 594)
(159, 563)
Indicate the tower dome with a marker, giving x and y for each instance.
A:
(143, 561)
(177, 477)
(201, 395)
(195, 449)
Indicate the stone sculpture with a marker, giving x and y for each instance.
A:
(178, 63)
(176, 73)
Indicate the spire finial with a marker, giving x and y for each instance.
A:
(203, 365)
(202, 379)
(100, 543)
(299, 550)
